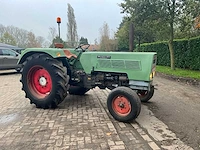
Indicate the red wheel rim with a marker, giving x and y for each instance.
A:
(121, 105)
(39, 81)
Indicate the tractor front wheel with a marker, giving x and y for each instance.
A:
(123, 104)
(44, 80)
(144, 95)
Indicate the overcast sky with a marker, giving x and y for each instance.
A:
(38, 15)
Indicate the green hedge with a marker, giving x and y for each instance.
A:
(187, 53)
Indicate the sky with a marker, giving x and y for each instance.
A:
(38, 15)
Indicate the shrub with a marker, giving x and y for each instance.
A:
(186, 52)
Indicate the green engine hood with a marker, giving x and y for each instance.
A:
(137, 65)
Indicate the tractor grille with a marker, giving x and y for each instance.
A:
(135, 65)
(104, 63)
(120, 64)
(117, 64)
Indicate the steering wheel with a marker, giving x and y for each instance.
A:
(81, 47)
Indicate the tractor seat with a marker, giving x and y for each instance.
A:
(69, 54)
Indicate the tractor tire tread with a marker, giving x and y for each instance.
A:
(129, 93)
(60, 76)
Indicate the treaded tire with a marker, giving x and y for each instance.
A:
(77, 90)
(145, 96)
(56, 73)
(125, 95)
(18, 70)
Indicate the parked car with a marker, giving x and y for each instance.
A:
(15, 48)
(9, 59)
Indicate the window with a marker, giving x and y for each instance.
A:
(8, 52)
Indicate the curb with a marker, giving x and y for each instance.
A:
(144, 135)
(188, 81)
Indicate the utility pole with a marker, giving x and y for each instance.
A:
(131, 37)
(59, 21)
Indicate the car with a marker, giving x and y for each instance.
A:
(9, 59)
(15, 48)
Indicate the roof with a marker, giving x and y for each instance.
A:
(10, 46)
(94, 47)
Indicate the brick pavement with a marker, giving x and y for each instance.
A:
(80, 122)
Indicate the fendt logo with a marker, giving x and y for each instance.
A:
(104, 57)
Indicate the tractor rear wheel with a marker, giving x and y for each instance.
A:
(123, 104)
(145, 96)
(77, 90)
(44, 80)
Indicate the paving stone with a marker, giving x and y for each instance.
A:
(79, 122)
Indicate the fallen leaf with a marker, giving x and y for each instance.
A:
(109, 133)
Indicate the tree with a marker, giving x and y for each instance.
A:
(52, 33)
(72, 35)
(21, 37)
(107, 43)
(2, 30)
(144, 32)
(58, 40)
(123, 36)
(104, 37)
(51, 37)
(167, 14)
(197, 22)
(32, 41)
(83, 40)
(8, 39)
(41, 41)
(95, 42)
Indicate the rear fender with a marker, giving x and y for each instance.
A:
(54, 53)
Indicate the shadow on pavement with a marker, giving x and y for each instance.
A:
(77, 101)
(3, 73)
(153, 106)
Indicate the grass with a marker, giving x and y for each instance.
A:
(179, 72)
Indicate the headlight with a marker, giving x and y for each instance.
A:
(152, 75)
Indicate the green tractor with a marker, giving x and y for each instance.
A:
(49, 74)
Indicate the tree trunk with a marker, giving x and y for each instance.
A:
(171, 49)
(131, 37)
(171, 38)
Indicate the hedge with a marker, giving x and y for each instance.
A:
(186, 51)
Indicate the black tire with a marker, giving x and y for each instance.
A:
(77, 90)
(18, 70)
(41, 69)
(128, 100)
(145, 96)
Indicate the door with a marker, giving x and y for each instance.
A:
(10, 59)
(1, 59)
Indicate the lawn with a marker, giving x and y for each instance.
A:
(179, 72)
